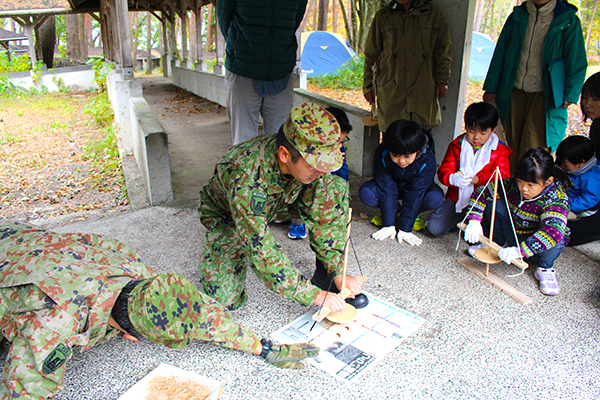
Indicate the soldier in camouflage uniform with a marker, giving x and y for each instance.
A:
(58, 291)
(271, 177)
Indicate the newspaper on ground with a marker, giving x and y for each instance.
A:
(350, 350)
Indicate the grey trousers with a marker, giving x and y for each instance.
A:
(244, 105)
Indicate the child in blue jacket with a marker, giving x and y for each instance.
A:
(404, 167)
(576, 156)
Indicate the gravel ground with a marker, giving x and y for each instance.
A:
(476, 344)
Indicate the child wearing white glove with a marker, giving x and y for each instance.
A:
(403, 170)
(539, 207)
(470, 161)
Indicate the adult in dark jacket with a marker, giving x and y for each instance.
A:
(404, 169)
(539, 36)
(261, 55)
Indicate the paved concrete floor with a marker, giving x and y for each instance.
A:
(476, 344)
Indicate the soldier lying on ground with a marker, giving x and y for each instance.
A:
(58, 291)
(278, 177)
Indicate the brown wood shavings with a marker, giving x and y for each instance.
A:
(172, 387)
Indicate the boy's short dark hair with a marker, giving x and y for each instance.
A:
(404, 137)
(575, 149)
(341, 118)
(481, 115)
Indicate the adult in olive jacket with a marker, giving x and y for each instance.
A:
(261, 55)
(409, 43)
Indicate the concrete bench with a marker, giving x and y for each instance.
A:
(151, 151)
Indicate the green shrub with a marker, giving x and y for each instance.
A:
(350, 76)
(16, 64)
(101, 70)
(100, 109)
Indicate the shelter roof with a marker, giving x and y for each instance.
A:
(10, 8)
(7, 36)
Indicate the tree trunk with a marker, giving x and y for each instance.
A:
(73, 36)
(83, 37)
(87, 22)
(45, 40)
(479, 15)
(309, 9)
(323, 14)
(335, 16)
(591, 25)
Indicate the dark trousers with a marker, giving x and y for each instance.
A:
(432, 199)
(504, 235)
(584, 230)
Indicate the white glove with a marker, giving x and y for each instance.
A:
(387, 232)
(508, 254)
(409, 238)
(473, 231)
(459, 180)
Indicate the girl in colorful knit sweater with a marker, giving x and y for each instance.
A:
(539, 207)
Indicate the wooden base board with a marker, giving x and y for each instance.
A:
(496, 282)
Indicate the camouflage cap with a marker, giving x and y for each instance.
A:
(315, 133)
(165, 309)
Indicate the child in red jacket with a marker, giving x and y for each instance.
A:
(470, 161)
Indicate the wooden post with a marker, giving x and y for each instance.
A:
(124, 38)
(173, 38)
(184, 46)
(220, 45)
(166, 65)
(209, 35)
(149, 43)
(199, 16)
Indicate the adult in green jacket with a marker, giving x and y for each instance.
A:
(261, 55)
(562, 43)
(409, 44)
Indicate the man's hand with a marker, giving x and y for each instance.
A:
(440, 90)
(289, 355)
(490, 97)
(409, 238)
(332, 300)
(387, 232)
(353, 284)
(370, 97)
(473, 231)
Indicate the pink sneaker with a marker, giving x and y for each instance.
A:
(548, 283)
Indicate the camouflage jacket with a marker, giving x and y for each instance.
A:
(248, 190)
(58, 289)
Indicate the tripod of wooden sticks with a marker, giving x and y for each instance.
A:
(489, 253)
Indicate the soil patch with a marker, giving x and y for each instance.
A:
(47, 150)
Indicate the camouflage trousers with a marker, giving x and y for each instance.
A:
(224, 263)
(217, 325)
(223, 266)
(22, 309)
